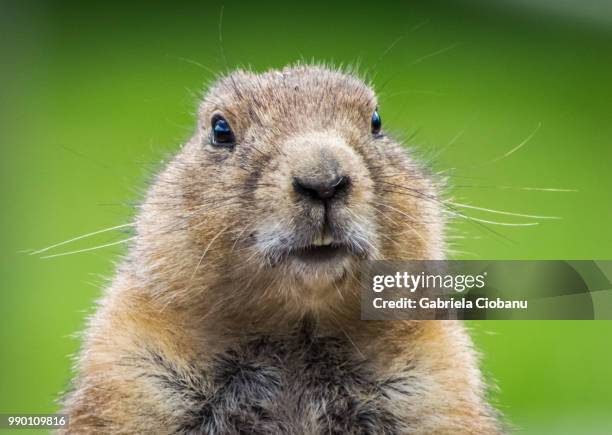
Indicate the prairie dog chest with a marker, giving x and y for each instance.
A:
(296, 385)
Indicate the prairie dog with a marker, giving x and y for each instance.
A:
(236, 308)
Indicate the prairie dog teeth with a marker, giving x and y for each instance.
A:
(323, 240)
(318, 241)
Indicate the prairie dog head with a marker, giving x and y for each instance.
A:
(288, 182)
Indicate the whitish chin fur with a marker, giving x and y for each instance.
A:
(319, 274)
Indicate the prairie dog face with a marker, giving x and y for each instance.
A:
(290, 180)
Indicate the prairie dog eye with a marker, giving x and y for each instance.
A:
(376, 122)
(222, 134)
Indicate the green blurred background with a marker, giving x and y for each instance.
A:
(93, 97)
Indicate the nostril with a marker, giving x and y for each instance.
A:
(321, 190)
(305, 188)
(342, 184)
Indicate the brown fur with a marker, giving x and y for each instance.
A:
(208, 326)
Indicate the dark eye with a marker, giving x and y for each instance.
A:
(222, 134)
(376, 123)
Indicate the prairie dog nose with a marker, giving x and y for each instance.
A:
(321, 189)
